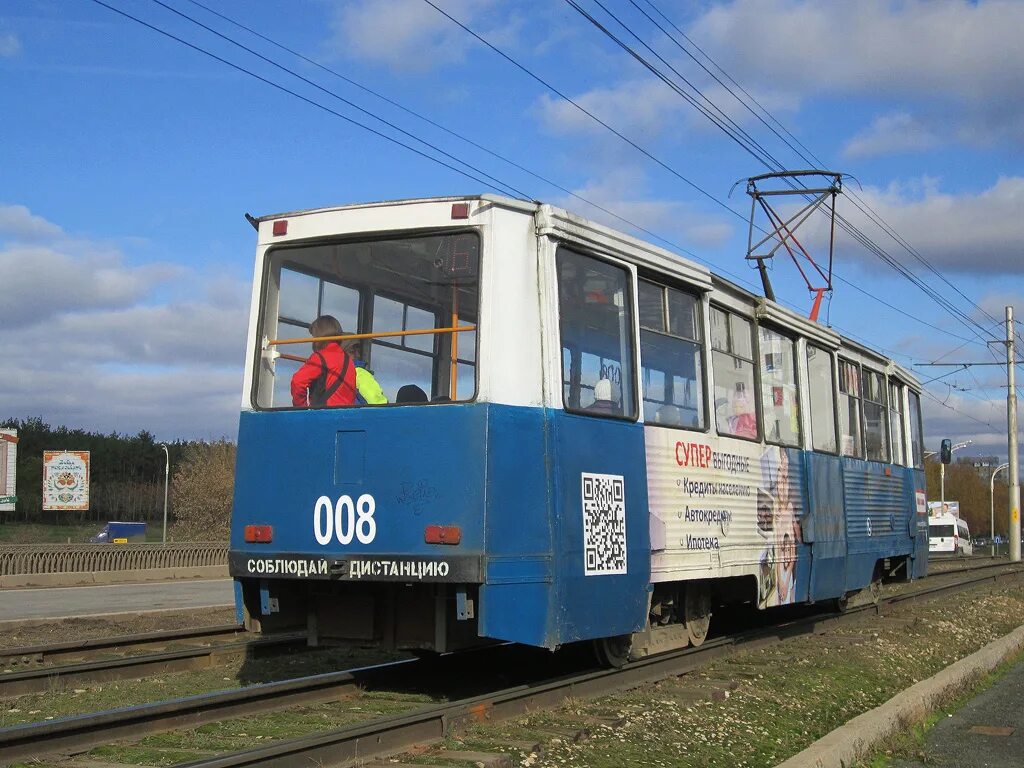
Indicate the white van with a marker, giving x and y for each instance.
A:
(948, 534)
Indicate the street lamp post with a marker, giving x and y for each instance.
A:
(992, 506)
(167, 477)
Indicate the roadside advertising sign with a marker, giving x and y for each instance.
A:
(8, 469)
(66, 480)
(943, 508)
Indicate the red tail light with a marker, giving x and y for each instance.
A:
(280, 227)
(442, 534)
(460, 210)
(259, 534)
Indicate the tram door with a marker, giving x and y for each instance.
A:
(824, 525)
(599, 484)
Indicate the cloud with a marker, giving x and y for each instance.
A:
(409, 35)
(965, 56)
(969, 233)
(10, 46)
(18, 223)
(622, 191)
(88, 339)
(890, 134)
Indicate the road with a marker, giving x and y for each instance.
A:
(115, 598)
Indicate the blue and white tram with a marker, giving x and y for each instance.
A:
(609, 440)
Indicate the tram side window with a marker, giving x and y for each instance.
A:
(822, 397)
(671, 369)
(896, 422)
(596, 326)
(849, 409)
(732, 359)
(916, 437)
(875, 416)
(779, 405)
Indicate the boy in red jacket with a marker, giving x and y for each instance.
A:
(328, 377)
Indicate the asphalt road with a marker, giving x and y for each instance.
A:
(986, 733)
(116, 598)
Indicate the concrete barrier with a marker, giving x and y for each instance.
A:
(853, 742)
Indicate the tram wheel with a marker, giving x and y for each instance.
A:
(613, 651)
(697, 612)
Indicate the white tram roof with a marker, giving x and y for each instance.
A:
(574, 228)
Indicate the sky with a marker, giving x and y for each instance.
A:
(127, 161)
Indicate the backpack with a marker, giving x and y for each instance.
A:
(319, 392)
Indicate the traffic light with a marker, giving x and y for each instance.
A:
(946, 452)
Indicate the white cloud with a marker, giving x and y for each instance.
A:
(18, 223)
(622, 191)
(10, 46)
(968, 233)
(88, 340)
(963, 55)
(889, 134)
(409, 35)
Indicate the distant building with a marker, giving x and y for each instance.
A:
(983, 465)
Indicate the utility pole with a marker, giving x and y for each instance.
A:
(167, 479)
(1011, 424)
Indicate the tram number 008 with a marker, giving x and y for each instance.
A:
(344, 520)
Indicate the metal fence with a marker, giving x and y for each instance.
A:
(17, 559)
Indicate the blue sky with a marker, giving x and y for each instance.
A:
(128, 160)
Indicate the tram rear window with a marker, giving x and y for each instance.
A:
(402, 296)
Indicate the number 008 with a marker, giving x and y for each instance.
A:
(344, 520)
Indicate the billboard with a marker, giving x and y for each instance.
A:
(66, 480)
(8, 469)
(943, 508)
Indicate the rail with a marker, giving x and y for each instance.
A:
(19, 559)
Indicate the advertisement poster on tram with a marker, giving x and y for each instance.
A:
(936, 508)
(65, 480)
(8, 469)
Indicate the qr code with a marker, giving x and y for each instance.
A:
(604, 524)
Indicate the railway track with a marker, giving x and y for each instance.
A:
(425, 724)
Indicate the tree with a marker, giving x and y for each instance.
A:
(202, 490)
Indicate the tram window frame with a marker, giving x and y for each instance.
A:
(897, 387)
(665, 332)
(752, 361)
(844, 381)
(366, 296)
(630, 408)
(832, 399)
(878, 380)
(798, 440)
(916, 429)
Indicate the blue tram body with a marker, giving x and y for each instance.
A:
(582, 466)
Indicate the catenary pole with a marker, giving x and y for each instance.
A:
(1011, 423)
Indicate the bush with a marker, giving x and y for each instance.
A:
(202, 489)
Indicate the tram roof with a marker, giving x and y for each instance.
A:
(554, 218)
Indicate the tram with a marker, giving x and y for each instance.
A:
(608, 441)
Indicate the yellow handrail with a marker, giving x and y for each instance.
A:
(378, 335)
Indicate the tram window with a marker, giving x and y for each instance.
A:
(875, 416)
(822, 397)
(384, 285)
(733, 363)
(849, 409)
(896, 422)
(916, 437)
(670, 361)
(779, 404)
(596, 326)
